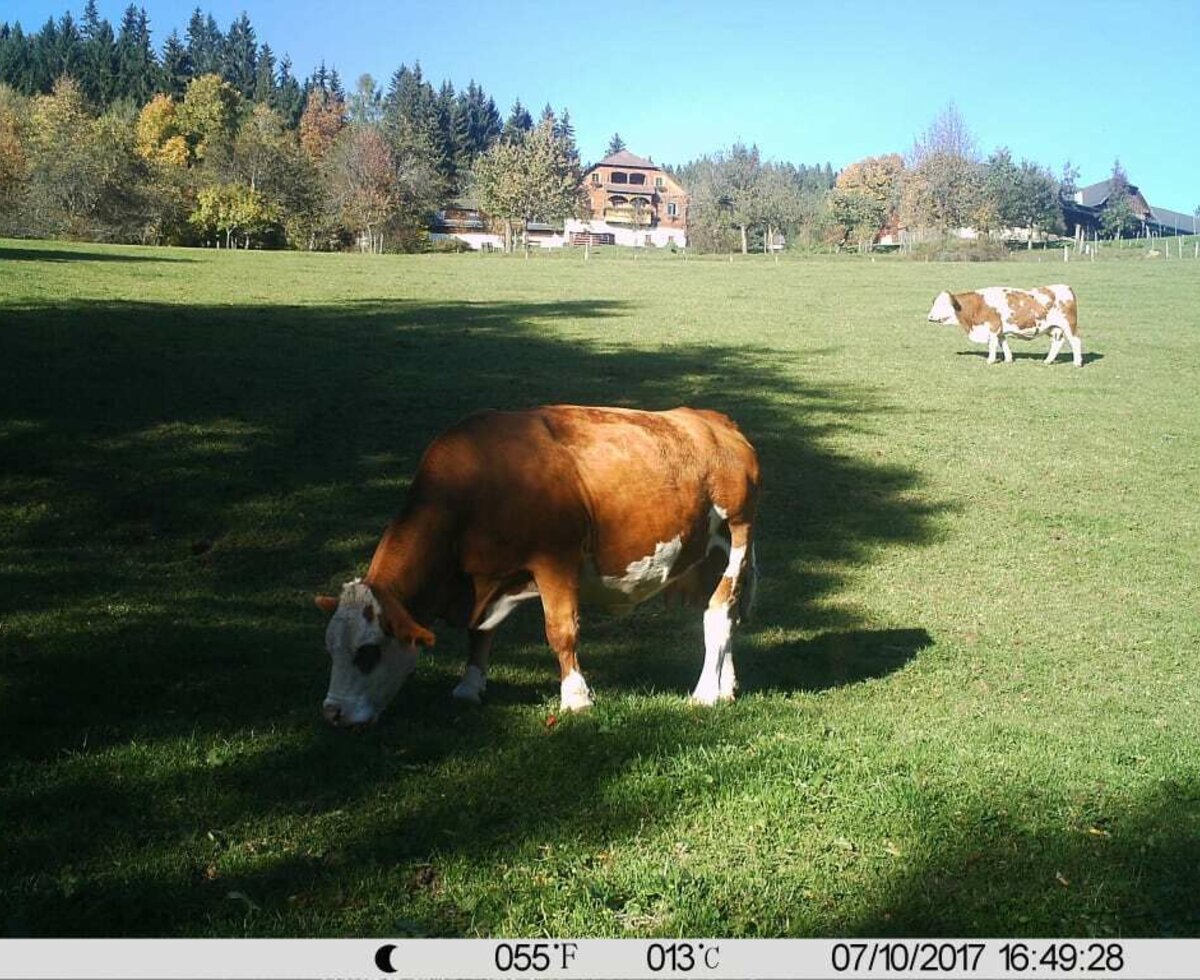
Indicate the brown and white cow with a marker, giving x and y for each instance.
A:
(990, 315)
(567, 504)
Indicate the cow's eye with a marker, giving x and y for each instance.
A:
(366, 657)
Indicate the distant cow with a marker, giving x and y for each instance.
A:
(990, 315)
(566, 504)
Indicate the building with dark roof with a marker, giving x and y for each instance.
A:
(1085, 208)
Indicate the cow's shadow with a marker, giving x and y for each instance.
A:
(1064, 356)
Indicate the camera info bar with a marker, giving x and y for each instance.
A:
(595, 959)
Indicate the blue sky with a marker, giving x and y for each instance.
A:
(1054, 80)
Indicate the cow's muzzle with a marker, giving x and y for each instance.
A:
(340, 717)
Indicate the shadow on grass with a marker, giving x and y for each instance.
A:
(10, 254)
(1088, 356)
(184, 478)
(1132, 870)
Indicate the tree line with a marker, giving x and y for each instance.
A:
(214, 141)
(942, 184)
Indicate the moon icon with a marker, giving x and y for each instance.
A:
(383, 957)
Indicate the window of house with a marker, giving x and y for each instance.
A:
(617, 177)
(637, 178)
(659, 183)
(672, 209)
(595, 176)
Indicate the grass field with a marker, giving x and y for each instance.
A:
(970, 693)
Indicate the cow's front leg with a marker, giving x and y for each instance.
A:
(559, 589)
(718, 681)
(474, 680)
(1056, 342)
(993, 347)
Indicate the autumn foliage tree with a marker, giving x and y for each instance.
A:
(14, 123)
(364, 189)
(944, 182)
(528, 178)
(321, 123)
(866, 197)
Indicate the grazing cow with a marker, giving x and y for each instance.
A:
(566, 504)
(990, 315)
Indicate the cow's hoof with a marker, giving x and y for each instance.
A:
(575, 703)
(464, 693)
(471, 687)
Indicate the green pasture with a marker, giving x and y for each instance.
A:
(970, 693)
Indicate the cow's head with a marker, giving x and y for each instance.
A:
(945, 309)
(372, 641)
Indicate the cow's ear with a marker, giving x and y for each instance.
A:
(409, 631)
(420, 636)
(326, 603)
(954, 302)
(397, 622)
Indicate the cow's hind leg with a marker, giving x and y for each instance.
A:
(1076, 349)
(474, 680)
(718, 682)
(559, 590)
(993, 347)
(1008, 358)
(1056, 342)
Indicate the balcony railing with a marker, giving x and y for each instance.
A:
(627, 216)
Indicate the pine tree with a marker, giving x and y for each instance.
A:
(137, 67)
(408, 107)
(16, 59)
(519, 122)
(335, 86)
(176, 67)
(615, 145)
(44, 57)
(319, 79)
(240, 57)
(264, 78)
(489, 124)
(204, 44)
(289, 96)
(98, 76)
(70, 51)
(565, 132)
(411, 128)
(447, 144)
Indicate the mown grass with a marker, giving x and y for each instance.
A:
(970, 689)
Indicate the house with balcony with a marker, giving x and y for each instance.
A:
(631, 201)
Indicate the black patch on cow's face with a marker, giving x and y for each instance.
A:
(367, 656)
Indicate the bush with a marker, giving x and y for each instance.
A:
(960, 250)
(450, 245)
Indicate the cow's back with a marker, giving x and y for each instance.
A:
(613, 482)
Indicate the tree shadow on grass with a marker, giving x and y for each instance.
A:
(10, 254)
(1130, 869)
(186, 477)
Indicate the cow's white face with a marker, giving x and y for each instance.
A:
(369, 666)
(943, 310)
